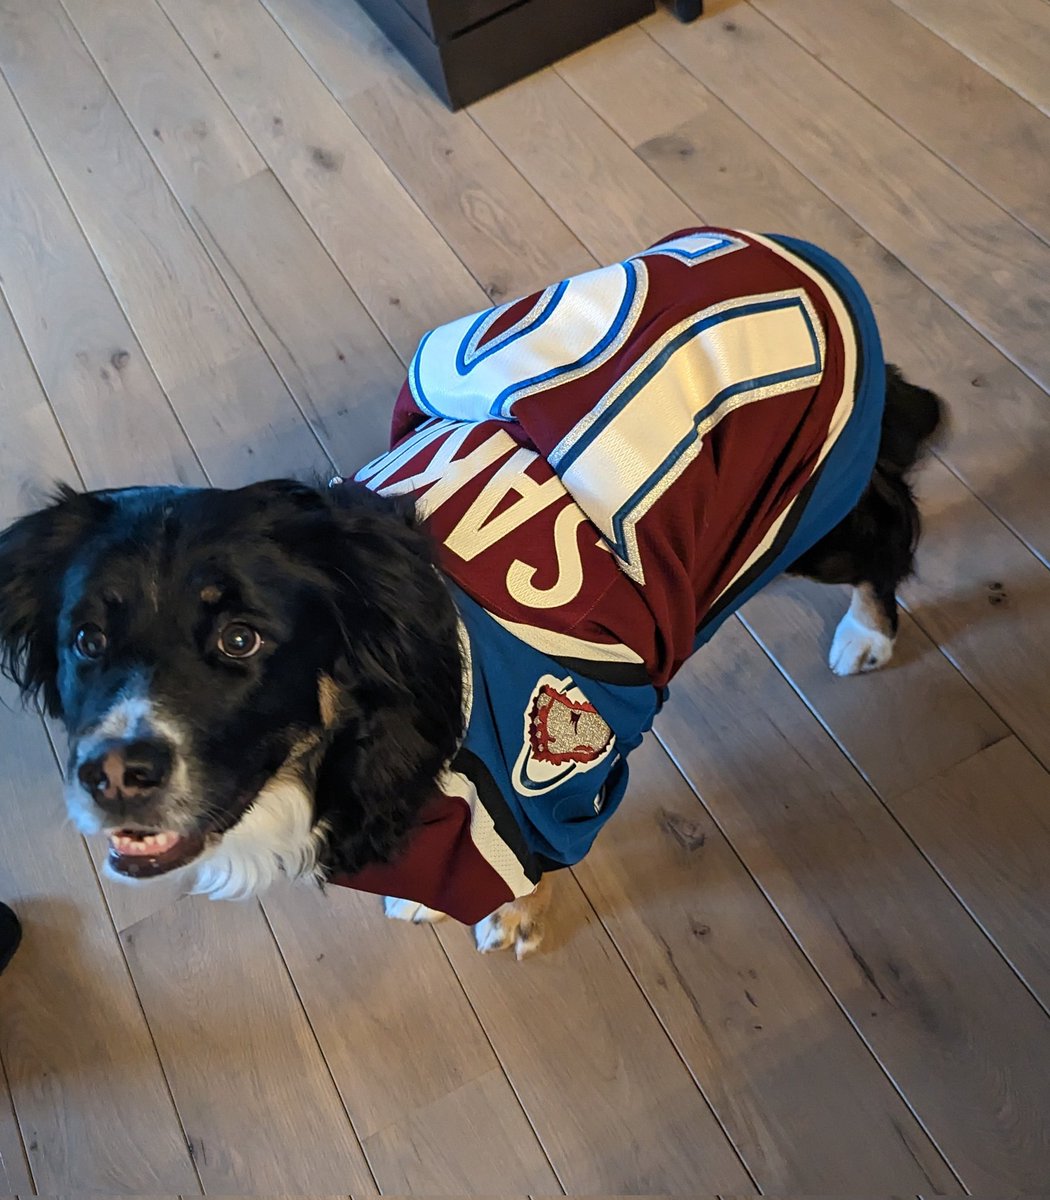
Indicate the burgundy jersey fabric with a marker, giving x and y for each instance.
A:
(609, 468)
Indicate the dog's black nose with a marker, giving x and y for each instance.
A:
(126, 771)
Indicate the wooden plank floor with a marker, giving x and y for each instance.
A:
(812, 955)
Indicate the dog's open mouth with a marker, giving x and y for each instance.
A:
(141, 855)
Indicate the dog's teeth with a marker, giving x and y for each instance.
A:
(143, 844)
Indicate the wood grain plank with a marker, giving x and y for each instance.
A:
(983, 262)
(14, 1166)
(610, 1100)
(1010, 38)
(329, 352)
(259, 1107)
(795, 621)
(32, 451)
(229, 398)
(798, 1092)
(97, 379)
(92, 1100)
(946, 1017)
(573, 158)
(510, 240)
(935, 92)
(195, 139)
(985, 826)
(415, 1071)
(390, 253)
(985, 600)
(999, 437)
(286, 1197)
(444, 1146)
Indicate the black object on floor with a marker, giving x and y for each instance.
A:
(688, 10)
(466, 49)
(10, 935)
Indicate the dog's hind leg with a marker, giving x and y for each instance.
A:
(872, 551)
(864, 638)
(873, 548)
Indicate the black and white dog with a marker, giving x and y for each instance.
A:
(273, 679)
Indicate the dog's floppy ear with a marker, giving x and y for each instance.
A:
(399, 673)
(35, 553)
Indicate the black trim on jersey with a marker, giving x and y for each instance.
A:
(619, 674)
(467, 762)
(550, 865)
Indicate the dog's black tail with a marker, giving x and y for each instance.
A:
(912, 417)
(910, 422)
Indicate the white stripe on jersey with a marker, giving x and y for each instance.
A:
(379, 470)
(492, 848)
(564, 645)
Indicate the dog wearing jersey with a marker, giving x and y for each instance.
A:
(425, 682)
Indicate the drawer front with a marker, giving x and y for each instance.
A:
(517, 41)
(443, 18)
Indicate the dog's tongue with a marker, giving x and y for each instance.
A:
(140, 855)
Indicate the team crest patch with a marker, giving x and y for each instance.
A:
(564, 735)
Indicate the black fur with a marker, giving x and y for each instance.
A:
(34, 553)
(876, 543)
(340, 583)
(401, 680)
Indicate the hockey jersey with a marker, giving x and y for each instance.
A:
(609, 468)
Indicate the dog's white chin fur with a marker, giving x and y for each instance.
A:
(276, 836)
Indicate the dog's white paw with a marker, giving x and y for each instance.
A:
(856, 648)
(508, 927)
(409, 910)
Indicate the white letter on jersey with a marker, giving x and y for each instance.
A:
(446, 474)
(570, 567)
(476, 531)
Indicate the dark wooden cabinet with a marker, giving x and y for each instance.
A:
(466, 49)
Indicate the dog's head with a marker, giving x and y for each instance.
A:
(206, 648)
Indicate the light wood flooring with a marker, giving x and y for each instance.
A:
(812, 953)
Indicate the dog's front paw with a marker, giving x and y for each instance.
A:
(518, 923)
(856, 648)
(511, 925)
(408, 910)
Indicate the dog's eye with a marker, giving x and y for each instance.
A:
(90, 642)
(238, 640)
